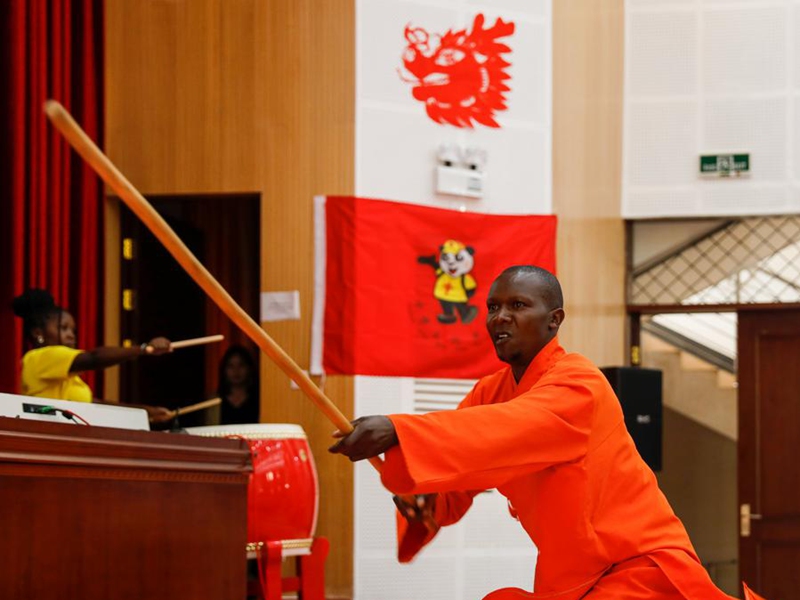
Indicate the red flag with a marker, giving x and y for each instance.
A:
(401, 289)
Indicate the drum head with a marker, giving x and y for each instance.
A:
(254, 431)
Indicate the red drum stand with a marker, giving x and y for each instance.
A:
(309, 582)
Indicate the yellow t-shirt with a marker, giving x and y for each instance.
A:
(45, 373)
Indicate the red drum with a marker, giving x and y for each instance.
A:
(283, 494)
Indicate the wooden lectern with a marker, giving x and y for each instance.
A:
(92, 512)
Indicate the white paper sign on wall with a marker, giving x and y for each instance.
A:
(280, 306)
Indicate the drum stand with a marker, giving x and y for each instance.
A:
(309, 583)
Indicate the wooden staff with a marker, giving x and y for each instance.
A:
(195, 407)
(109, 173)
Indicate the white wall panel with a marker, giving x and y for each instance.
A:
(405, 163)
(744, 49)
(665, 60)
(381, 577)
(534, 8)
(381, 43)
(671, 202)
(661, 143)
(794, 144)
(660, 4)
(479, 580)
(757, 125)
(492, 526)
(396, 142)
(711, 77)
(747, 199)
(794, 43)
(529, 99)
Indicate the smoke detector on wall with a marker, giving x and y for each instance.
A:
(460, 171)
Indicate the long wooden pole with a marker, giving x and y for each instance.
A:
(109, 173)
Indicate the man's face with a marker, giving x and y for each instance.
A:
(519, 320)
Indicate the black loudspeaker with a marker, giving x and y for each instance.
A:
(639, 393)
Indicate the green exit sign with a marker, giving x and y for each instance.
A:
(724, 165)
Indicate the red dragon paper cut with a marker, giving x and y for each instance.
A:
(462, 78)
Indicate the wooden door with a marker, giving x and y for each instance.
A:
(769, 452)
(223, 232)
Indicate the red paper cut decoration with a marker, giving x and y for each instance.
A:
(460, 76)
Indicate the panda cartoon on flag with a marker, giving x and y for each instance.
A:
(454, 285)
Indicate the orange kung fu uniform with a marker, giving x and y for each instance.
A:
(556, 446)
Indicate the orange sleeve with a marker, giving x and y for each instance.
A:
(412, 537)
(484, 446)
(450, 507)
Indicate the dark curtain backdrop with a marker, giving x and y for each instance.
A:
(229, 226)
(51, 206)
(232, 255)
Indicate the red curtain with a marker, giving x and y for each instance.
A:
(51, 213)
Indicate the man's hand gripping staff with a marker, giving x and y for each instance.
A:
(372, 436)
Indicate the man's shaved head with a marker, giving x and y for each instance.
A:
(551, 288)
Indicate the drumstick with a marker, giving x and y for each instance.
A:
(109, 173)
(209, 339)
(195, 407)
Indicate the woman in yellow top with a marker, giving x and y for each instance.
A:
(50, 368)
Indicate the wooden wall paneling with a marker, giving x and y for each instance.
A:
(307, 89)
(113, 64)
(180, 108)
(588, 59)
(140, 90)
(112, 292)
(243, 118)
(247, 95)
(163, 73)
(198, 81)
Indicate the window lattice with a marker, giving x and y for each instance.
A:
(750, 261)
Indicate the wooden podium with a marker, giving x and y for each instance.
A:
(92, 512)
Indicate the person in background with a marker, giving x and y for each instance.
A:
(52, 362)
(238, 387)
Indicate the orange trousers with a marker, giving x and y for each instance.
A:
(636, 579)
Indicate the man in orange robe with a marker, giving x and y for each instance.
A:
(548, 432)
